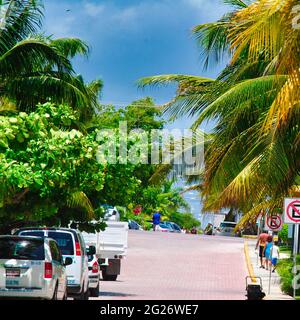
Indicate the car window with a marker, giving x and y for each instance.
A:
(33, 233)
(64, 241)
(227, 225)
(55, 252)
(22, 249)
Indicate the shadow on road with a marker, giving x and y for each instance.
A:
(115, 294)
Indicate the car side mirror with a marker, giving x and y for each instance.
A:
(68, 261)
(92, 250)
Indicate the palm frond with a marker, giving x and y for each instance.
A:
(32, 55)
(79, 200)
(19, 19)
(70, 47)
(252, 89)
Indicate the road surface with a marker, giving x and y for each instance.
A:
(167, 266)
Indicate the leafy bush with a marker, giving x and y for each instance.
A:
(185, 220)
(285, 270)
(283, 234)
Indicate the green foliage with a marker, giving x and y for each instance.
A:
(185, 220)
(285, 270)
(46, 167)
(283, 234)
(128, 184)
(36, 68)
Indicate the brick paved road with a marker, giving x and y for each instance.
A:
(167, 266)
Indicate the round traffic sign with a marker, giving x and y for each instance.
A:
(293, 211)
(274, 222)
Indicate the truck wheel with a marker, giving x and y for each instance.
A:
(55, 293)
(94, 292)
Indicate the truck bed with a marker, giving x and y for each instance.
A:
(111, 242)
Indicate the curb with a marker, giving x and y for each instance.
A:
(249, 237)
(248, 262)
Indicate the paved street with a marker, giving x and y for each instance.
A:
(179, 266)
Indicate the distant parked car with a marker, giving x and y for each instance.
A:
(163, 227)
(175, 227)
(32, 267)
(71, 244)
(226, 229)
(133, 225)
(94, 274)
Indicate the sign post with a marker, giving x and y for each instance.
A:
(296, 238)
(273, 223)
(292, 216)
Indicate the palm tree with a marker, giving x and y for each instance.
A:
(35, 68)
(252, 157)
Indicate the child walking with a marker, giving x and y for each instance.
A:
(275, 255)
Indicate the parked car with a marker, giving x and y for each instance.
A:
(175, 227)
(133, 225)
(226, 229)
(94, 274)
(163, 227)
(32, 267)
(71, 244)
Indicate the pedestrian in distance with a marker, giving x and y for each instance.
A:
(261, 243)
(268, 252)
(156, 219)
(275, 255)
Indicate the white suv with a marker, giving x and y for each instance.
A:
(72, 245)
(32, 267)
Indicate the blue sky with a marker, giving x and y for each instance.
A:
(130, 39)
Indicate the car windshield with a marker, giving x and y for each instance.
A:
(163, 225)
(64, 241)
(22, 249)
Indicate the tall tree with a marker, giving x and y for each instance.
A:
(252, 155)
(35, 68)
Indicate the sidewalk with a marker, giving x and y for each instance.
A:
(255, 270)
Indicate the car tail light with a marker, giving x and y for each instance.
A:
(78, 249)
(48, 270)
(95, 268)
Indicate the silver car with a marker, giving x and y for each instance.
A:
(32, 267)
(226, 229)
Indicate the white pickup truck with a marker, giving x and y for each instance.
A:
(111, 247)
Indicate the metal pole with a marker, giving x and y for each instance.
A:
(296, 239)
(270, 273)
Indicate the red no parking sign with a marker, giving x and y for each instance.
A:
(292, 210)
(273, 223)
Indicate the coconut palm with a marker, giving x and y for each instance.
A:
(252, 159)
(35, 68)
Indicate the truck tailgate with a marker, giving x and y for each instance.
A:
(113, 241)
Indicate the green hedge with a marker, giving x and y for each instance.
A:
(285, 270)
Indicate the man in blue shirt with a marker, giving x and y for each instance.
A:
(156, 220)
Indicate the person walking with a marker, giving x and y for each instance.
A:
(156, 219)
(275, 255)
(261, 243)
(268, 252)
